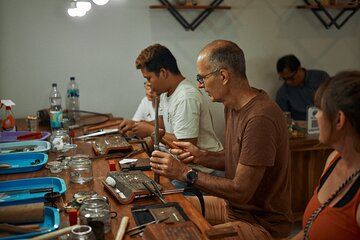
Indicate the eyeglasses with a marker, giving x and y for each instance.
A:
(201, 79)
(289, 78)
(147, 85)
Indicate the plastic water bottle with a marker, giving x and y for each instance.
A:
(56, 113)
(72, 101)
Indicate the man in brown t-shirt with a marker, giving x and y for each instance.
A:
(254, 195)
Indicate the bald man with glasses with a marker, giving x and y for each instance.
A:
(254, 195)
(297, 92)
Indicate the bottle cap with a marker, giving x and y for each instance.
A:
(54, 84)
(72, 78)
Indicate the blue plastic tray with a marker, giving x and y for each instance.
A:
(11, 136)
(40, 146)
(25, 185)
(22, 162)
(51, 222)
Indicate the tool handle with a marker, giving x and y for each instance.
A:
(122, 228)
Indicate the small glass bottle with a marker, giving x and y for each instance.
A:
(59, 139)
(80, 169)
(82, 232)
(95, 212)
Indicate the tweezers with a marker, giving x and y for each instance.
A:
(154, 190)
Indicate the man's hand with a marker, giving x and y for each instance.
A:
(164, 164)
(142, 129)
(189, 153)
(126, 125)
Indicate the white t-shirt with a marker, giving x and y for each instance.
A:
(145, 111)
(186, 115)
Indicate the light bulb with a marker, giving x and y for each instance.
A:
(100, 2)
(72, 12)
(84, 5)
(76, 12)
(80, 12)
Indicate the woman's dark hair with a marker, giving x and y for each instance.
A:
(341, 93)
(155, 57)
(288, 61)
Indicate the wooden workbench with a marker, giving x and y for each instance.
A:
(100, 169)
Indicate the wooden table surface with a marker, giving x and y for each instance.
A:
(100, 170)
(308, 159)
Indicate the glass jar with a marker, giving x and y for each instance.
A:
(82, 232)
(95, 212)
(59, 139)
(80, 169)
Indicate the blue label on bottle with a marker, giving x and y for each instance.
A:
(55, 119)
(73, 92)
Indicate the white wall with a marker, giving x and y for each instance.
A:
(40, 44)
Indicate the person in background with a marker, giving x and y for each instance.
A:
(145, 110)
(183, 112)
(297, 92)
(333, 212)
(254, 195)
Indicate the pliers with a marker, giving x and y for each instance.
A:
(154, 189)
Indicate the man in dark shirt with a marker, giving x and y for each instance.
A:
(297, 92)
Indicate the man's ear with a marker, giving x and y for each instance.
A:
(225, 76)
(163, 73)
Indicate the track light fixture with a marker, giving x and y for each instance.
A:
(79, 8)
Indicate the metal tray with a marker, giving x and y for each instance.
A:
(12, 136)
(51, 222)
(29, 190)
(22, 162)
(24, 146)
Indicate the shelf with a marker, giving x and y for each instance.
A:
(197, 7)
(344, 12)
(205, 11)
(338, 6)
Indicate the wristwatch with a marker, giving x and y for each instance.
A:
(191, 177)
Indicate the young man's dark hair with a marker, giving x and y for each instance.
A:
(155, 57)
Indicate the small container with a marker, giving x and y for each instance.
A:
(59, 139)
(80, 169)
(65, 123)
(32, 123)
(54, 166)
(95, 212)
(82, 232)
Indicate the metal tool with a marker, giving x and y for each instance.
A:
(124, 155)
(154, 190)
(166, 192)
(18, 149)
(31, 190)
(99, 133)
(139, 229)
(156, 133)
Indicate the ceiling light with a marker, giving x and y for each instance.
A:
(100, 2)
(85, 5)
(74, 11)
